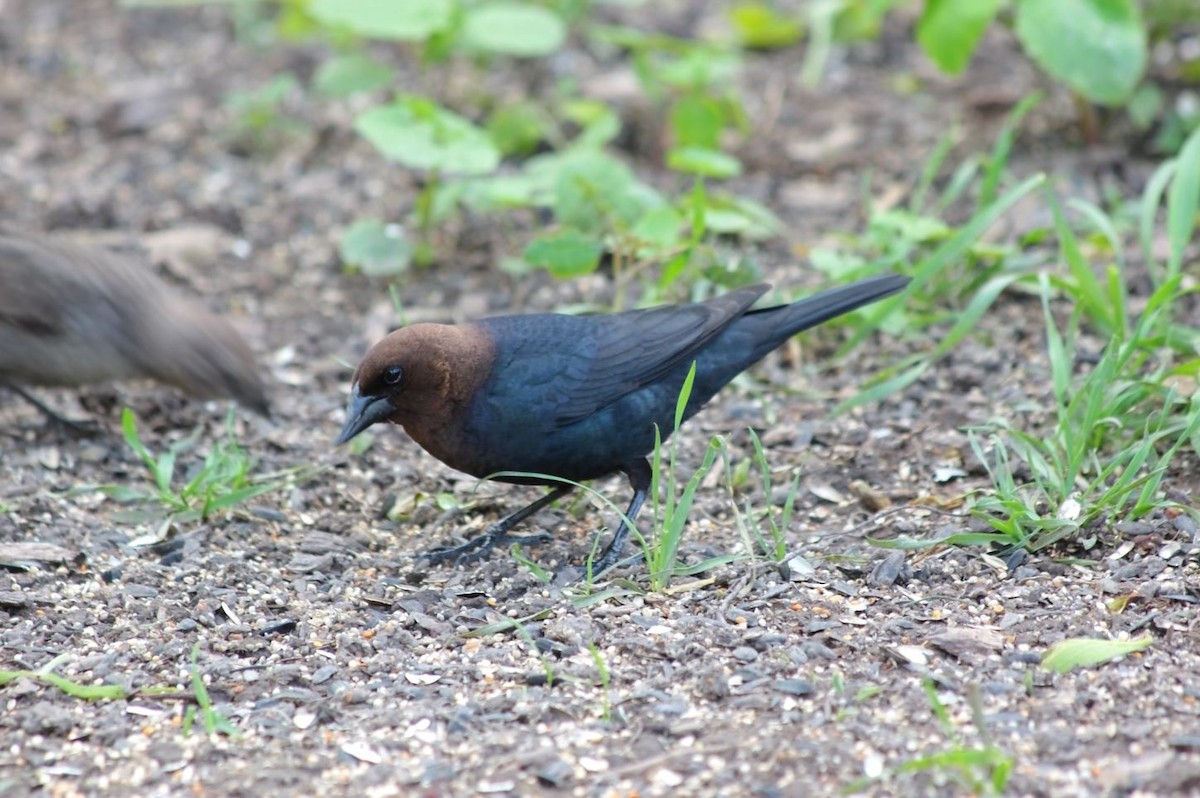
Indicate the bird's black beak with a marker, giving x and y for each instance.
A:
(362, 412)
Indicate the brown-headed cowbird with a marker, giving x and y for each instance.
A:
(71, 315)
(573, 397)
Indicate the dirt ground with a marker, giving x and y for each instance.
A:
(346, 664)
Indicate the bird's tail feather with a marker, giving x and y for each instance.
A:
(819, 308)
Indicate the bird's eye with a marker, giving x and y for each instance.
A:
(392, 375)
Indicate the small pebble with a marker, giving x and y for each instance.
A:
(745, 654)
(792, 686)
(323, 674)
(554, 774)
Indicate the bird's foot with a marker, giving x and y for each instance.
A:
(77, 427)
(600, 566)
(612, 559)
(480, 546)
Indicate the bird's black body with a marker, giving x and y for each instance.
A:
(579, 396)
(573, 397)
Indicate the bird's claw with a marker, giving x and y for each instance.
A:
(76, 427)
(599, 567)
(479, 547)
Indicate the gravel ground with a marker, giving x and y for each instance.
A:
(347, 666)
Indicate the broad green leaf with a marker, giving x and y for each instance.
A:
(860, 21)
(703, 162)
(731, 215)
(488, 194)
(564, 254)
(350, 74)
(422, 135)
(409, 20)
(375, 249)
(696, 121)
(1097, 47)
(1081, 652)
(659, 227)
(587, 189)
(761, 27)
(1146, 106)
(599, 123)
(517, 129)
(517, 29)
(593, 190)
(910, 226)
(950, 29)
(698, 68)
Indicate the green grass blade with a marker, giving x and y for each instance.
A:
(1081, 652)
(883, 388)
(1086, 289)
(129, 430)
(1183, 201)
(1060, 363)
(1000, 153)
(1152, 199)
(933, 165)
(86, 692)
(962, 539)
(685, 393)
(950, 251)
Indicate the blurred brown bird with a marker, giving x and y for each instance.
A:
(71, 316)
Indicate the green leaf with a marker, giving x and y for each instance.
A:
(599, 123)
(564, 254)
(1097, 47)
(732, 215)
(698, 68)
(860, 21)
(422, 135)
(517, 129)
(761, 27)
(696, 121)
(950, 29)
(488, 194)
(513, 29)
(914, 227)
(265, 98)
(375, 249)
(592, 191)
(659, 227)
(350, 74)
(1081, 652)
(1146, 105)
(410, 20)
(703, 162)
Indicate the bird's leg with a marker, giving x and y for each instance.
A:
(52, 416)
(497, 534)
(640, 479)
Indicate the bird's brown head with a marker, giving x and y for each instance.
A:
(418, 377)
